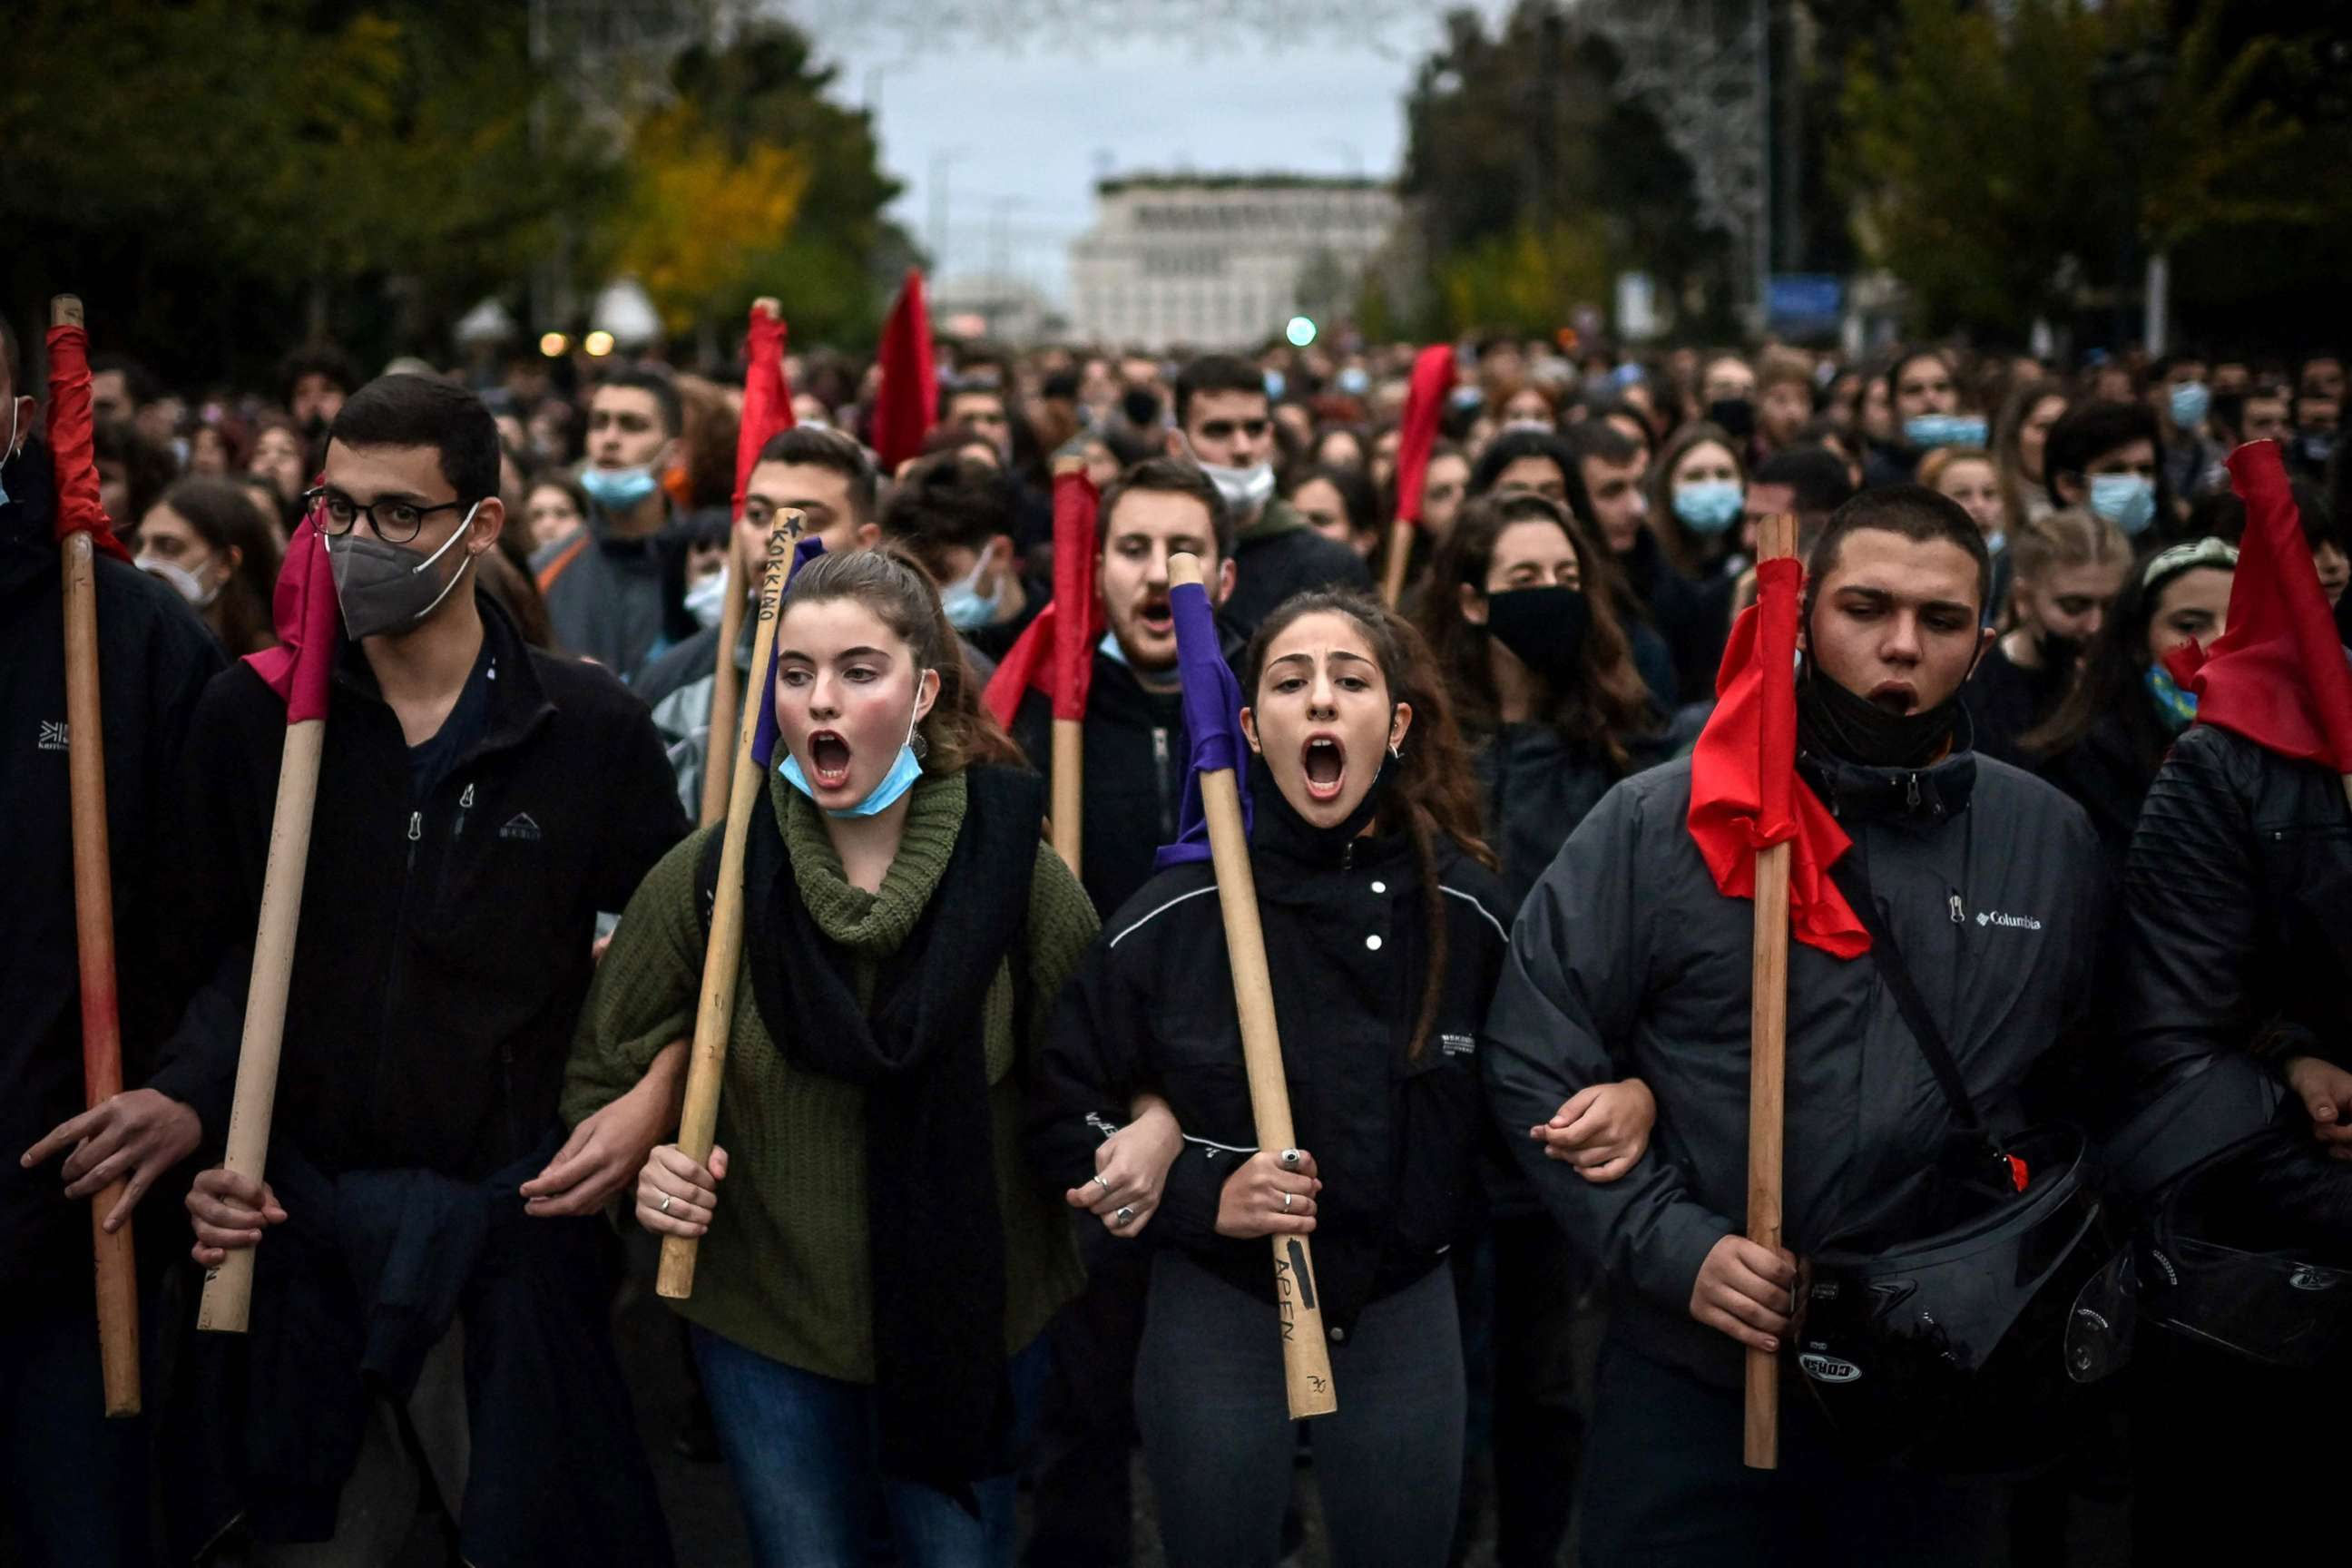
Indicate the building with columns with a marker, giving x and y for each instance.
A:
(1221, 261)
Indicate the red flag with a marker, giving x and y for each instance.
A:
(1424, 410)
(1055, 654)
(1744, 792)
(2277, 676)
(308, 628)
(71, 443)
(766, 396)
(906, 400)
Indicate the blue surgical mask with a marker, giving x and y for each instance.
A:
(1274, 385)
(617, 489)
(2176, 708)
(962, 602)
(1709, 506)
(707, 600)
(1927, 430)
(2127, 500)
(1108, 648)
(2190, 401)
(904, 770)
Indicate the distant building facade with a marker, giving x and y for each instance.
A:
(1221, 261)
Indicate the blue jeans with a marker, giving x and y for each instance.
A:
(805, 1454)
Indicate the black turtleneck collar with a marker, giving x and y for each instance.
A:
(1277, 831)
(1934, 793)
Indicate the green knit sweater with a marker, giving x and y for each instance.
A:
(784, 1270)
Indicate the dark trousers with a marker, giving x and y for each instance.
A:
(73, 1484)
(1086, 1428)
(1218, 1436)
(1664, 1486)
(2233, 1461)
(1539, 1401)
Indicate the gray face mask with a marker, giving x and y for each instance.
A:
(383, 588)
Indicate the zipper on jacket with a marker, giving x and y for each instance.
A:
(415, 832)
(1159, 780)
(1911, 793)
(1959, 916)
(464, 805)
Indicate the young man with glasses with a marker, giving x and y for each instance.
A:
(433, 1272)
(1224, 422)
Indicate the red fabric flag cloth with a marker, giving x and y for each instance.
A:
(906, 400)
(1055, 654)
(767, 397)
(310, 624)
(1744, 792)
(1424, 410)
(2277, 676)
(71, 443)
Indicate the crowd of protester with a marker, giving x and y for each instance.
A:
(987, 1202)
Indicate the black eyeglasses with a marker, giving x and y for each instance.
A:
(395, 521)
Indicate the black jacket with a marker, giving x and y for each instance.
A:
(2005, 700)
(444, 945)
(2236, 935)
(155, 658)
(1278, 556)
(1536, 785)
(1626, 960)
(1395, 1139)
(1692, 619)
(2108, 771)
(1135, 755)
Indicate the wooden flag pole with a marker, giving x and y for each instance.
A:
(1400, 555)
(722, 958)
(102, 1025)
(1067, 806)
(1305, 1356)
(1776, 538)
(227, 1300)
(727, 681)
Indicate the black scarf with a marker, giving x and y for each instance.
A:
(934, 1239)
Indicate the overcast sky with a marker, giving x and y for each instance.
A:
(1024, 124)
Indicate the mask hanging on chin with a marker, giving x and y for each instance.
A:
(1245, 489)
(1543, 628)
(385, 589)
(905, 769)
(707, 600)
(1855, 729)
(618, 489)
(962, 602)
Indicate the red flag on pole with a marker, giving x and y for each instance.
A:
(309, 625)
(766, 396)
(1424, 410)
(1055, 654)
(2277, 676)
(906, 400)
(71, 445)
(1744, 792)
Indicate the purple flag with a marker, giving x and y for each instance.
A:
(763, 739)
(1212, 723)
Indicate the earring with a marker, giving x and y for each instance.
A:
(1395, 754)
(922, 747)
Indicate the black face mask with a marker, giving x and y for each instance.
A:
(1544, 627)
(2058, 654)
(1831, 719)
(1736, 415)
(1141, 408)
(1276, 818)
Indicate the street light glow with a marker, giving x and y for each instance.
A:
(1301, 331)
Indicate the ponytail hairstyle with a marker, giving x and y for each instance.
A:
(1435, 791)
(958, 732)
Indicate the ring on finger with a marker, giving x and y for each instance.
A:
(1103, 1182)
(1285, 1203)
(664, 1205)
(1123, 1217)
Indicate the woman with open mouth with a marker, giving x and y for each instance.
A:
(1384, 934)
(870, 1295)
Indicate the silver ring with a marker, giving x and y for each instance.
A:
(1285, 1203)
(1122, 1216)
(664, 1205)
(1103, 1182)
